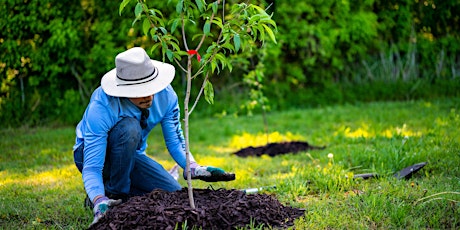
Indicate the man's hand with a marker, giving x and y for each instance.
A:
(208, 173)
(101, 205)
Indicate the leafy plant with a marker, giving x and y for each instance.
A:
(220, 33)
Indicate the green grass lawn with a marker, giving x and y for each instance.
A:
(40, 188)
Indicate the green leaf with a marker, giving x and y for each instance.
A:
(270, 33)
(154, 35)
(179, 6)
(196, 36)
(146, 26)
(156, 11)
(154, 47)
(267, 20)
(175, 45)
(237, 41)
(182, 53)
(230, 66)
(200, 5)
(228, 46)
(225, 37)
(173, 38)
(260, 9)
(207, 27)
(210, 48)
(261, 30)
(223, 60)
(135, 20)
(254, 18)
(215, 7)
(138, 10)
(177, 56)
(163, 30)
(213, 66)
(209, 92)
(123, 5)
(254, 33)
(160, 21)
(174, 25)
(170, 55)
(164, 45)
(218, 22)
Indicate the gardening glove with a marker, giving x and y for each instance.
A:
(208, 173)
(101, 205)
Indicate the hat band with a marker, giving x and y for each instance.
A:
(143, 80)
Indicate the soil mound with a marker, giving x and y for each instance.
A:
(273, 149)
(215, 209)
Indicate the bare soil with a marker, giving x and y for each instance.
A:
(274, 149)
(215, 209)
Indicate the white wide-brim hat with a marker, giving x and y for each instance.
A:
(136, 75)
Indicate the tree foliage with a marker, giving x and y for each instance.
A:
(55, 52)
(330, 40)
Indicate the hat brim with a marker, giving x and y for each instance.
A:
(114, 87)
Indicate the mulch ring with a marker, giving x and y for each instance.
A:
(214, 209)
(273, 149)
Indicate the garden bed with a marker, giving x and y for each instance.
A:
(215, 209)
(273, 149)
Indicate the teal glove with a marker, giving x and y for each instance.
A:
(208, 173)
(101, 205)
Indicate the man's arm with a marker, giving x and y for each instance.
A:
(98, 122)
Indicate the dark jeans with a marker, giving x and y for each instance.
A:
(127, 173)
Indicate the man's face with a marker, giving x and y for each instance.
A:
(142, 102)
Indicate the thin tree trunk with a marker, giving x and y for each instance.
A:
(187, 139)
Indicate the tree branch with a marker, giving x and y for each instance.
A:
(183, 33)
(199, 94)
(204, 35)
(81, 85)
(180, 66)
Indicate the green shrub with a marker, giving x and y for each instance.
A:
(328, 52)
(52, 47)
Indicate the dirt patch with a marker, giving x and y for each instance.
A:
(273, 149)
(215, 209)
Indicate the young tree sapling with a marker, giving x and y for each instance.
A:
(241, 28)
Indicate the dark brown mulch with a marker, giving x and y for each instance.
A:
(273, 149)
(215, 209)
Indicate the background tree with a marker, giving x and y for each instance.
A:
(53, 55)
(337, 51)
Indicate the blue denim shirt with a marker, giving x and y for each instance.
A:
(104, 111)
